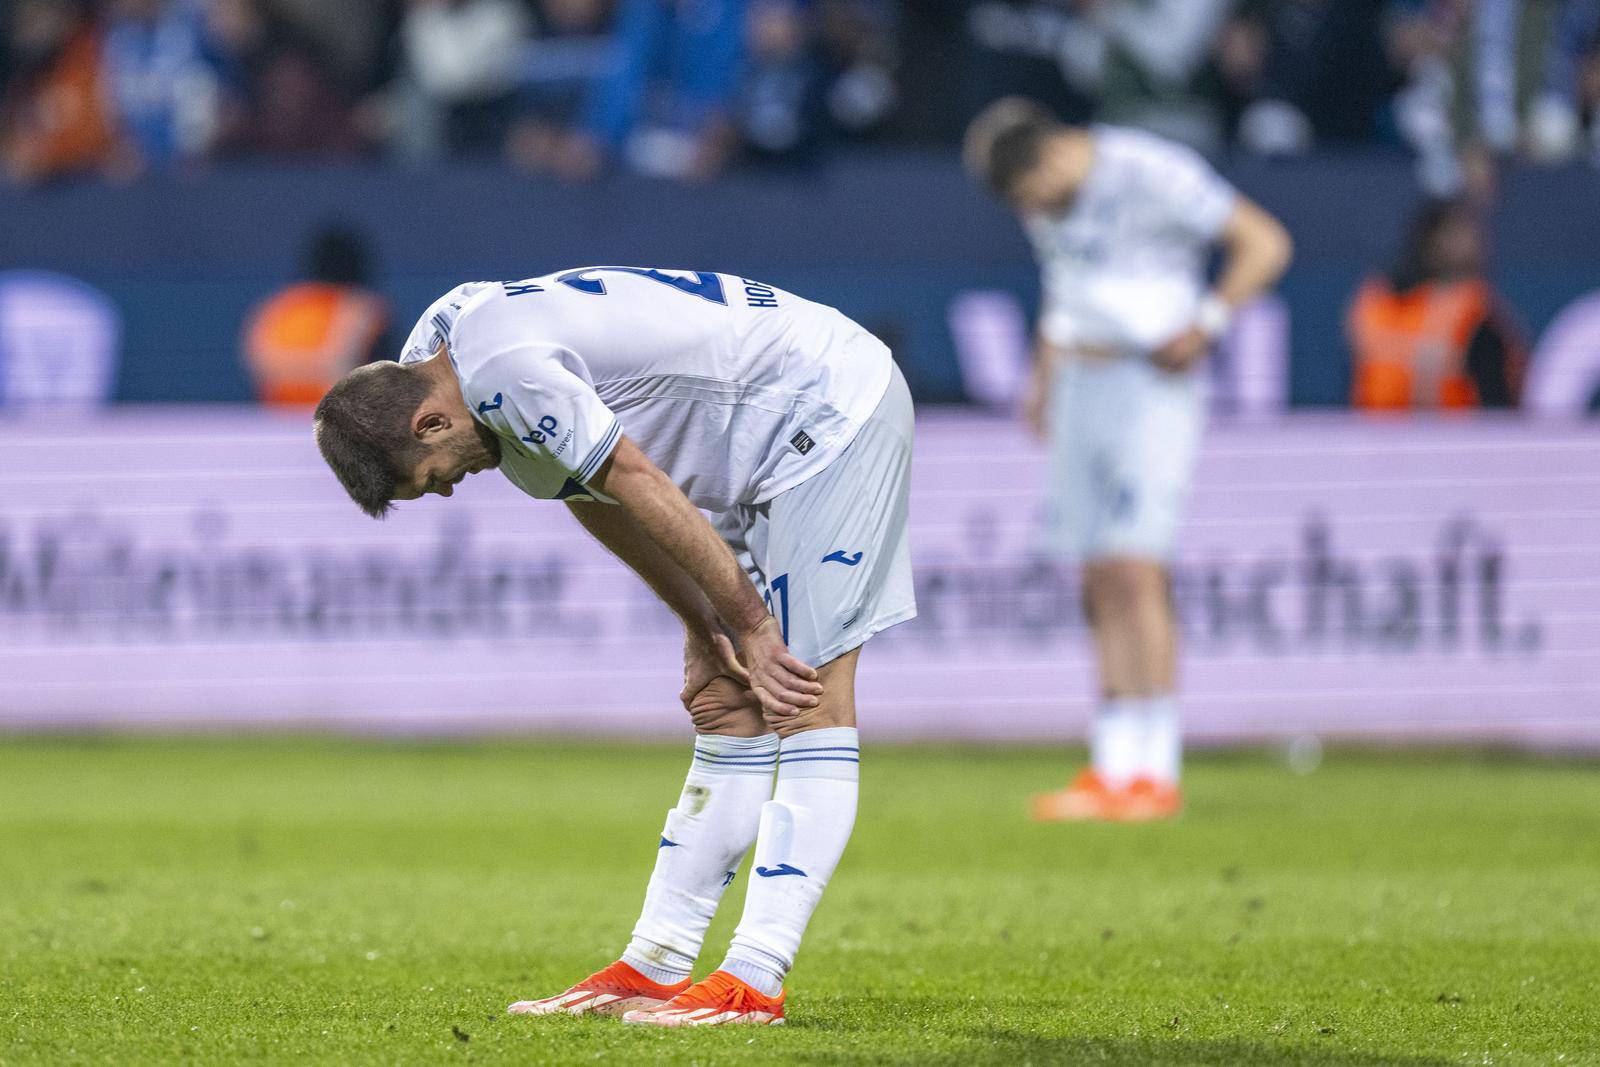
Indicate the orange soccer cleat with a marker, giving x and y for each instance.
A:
(610, 991)
(1146, 799)
(1090, 799)
(720, 1000)
(1087, 799)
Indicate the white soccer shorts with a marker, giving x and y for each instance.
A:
(1124, 439)
(832, 555)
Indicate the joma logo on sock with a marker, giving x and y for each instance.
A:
(779, 871)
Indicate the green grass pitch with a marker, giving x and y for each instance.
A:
(329, 901)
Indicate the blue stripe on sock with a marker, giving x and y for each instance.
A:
(735, 759)
(834, 748)
(820, 759)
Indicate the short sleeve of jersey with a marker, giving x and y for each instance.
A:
(538, 399)
(1192, 197)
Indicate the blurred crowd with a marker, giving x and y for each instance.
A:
(674, 87)
(683, 88)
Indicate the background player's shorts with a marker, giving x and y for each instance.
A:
(1124, 439)
(831, 554)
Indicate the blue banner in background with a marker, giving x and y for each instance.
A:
(893, 239)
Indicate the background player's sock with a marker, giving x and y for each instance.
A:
(803, 833)
(705, 838)
(1117, 741)
(1162, 747)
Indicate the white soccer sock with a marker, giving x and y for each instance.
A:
(1161, 744)
(1116, 741)
(702, 844)
(804, 829)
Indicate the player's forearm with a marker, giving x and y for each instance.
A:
(1045, 351)
(614, 528)
(665, 516)
(1257, 252)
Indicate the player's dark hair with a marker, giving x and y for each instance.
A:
(1005, 142)
(363, 430)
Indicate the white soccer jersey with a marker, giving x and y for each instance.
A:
(737, 390)
(1124, 266)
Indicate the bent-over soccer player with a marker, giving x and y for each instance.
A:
(638, 396)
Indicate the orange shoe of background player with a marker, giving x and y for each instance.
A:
(611, 991)
(1146, 799)
(1087, 799)
(719, 1000)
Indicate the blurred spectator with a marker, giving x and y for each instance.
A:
(569, 53)
(277, 98)
(1570, 87)
(1490, 77)
(666, 103)
(457, 87)
(1142, 63)
(53, 119)
(301, 341)
(1278, 57)
(780, 106)
(1154, 66)
(1433, 333)
(1038, 49)
(162, 89)
(351, 39)
(861, 58)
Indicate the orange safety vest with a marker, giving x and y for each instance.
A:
(1410, 347)
(60, 124)
(301, 341)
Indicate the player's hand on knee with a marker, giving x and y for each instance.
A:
(705, 657)
(723, 705)
(784, 685)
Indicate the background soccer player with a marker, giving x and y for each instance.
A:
(1122, 223)
(793, 426)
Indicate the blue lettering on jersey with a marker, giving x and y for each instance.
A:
(665, 843)
(777, 599)
(757, 295)
(727, 879)
(521, 288)
(705, 286)
(838, 556)
(486, 406)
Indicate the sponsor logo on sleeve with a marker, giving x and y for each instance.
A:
(542, 432)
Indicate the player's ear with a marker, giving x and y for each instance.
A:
(428, 422)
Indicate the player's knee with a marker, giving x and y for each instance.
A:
(823, 717)
(729, 724)
(726, 708)
(1118, 586)
(838, 706)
